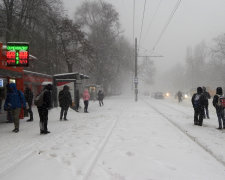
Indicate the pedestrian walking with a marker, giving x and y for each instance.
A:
(219, 107)
(206, 102)
(179, 96)
(29, 99)
(14, 102)
(198, 105)
(100, 97)
(43, 103)
(86, 97)
(65, 101)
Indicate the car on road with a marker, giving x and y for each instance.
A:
(158, 95)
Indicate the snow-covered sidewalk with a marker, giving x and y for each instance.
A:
(207, 136)
(121, 140)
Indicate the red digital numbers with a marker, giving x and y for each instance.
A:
(11, 54)
(23, 55)
(23, 61)
(10, 61)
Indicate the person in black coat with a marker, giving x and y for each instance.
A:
(219, 108)
(100, 97)
(29, 99)
(179, 95)
(44, 107)
(65, 101)
(198, 105)
(206, 102)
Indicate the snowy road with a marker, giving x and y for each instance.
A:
(124, 140)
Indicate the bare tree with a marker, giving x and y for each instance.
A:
(100, 20)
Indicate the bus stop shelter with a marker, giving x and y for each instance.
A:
(63, 79)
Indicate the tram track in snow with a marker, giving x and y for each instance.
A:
(100, 148)
(186, 133)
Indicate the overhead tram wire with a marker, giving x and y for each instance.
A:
(133, 18)
(167, 24)
(154, 15)
(142, 25)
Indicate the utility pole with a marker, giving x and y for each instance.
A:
(135, 76)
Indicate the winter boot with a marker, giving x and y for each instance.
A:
(16, 130)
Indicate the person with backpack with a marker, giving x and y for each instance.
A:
(219, 104)
(65, 101)
(86, 97)
(29, 99)
(100, 97)
(198, 105)
(43, 103)
(15, 101)
(206, 102)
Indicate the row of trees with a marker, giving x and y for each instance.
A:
(204, 66)
(91, 43)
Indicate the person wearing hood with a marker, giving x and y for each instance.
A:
(65, 101)
(15, 101)
(86, 97)
(44, 107)
(206, 102)
(219, 109)
(198, 105)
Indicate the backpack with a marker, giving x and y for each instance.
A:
(221, 101)
(197, 100)
(38, 101)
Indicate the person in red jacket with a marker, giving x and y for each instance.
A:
(86, 97)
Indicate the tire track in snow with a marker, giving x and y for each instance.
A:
(194, 139)
(99, 150)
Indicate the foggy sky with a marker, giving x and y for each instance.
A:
(194, 21)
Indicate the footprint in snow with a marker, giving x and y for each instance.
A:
(73, 155)
(53, 155)
(129, 154)
(54, 148)
(67, 162)
(160, 146)
(41, 152)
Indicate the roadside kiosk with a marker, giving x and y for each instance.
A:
(13, 57)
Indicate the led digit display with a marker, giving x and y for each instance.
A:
(17, 54)
(23, 55)
(11, 54)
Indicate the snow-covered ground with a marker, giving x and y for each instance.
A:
(123, 140)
